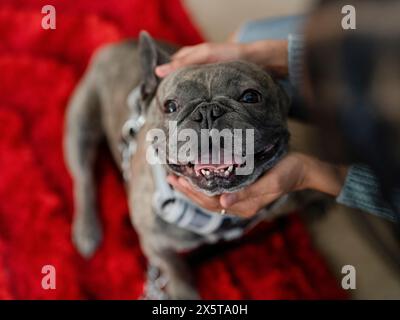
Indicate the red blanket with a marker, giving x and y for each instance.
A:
(38, 71)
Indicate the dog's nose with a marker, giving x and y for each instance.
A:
(208, 114)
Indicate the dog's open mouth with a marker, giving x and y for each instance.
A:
(227, 171)
(209, 171)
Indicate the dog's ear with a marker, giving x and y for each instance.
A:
(150, 56)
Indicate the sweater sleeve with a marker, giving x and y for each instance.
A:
(361, 190)
(295, 57)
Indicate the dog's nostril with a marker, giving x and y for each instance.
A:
(197, 117)
(217, 111)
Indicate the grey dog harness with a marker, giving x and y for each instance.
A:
(173, 207)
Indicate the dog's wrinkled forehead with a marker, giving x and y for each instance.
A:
(220, 79)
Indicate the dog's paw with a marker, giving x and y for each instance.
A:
(159, 286)
(154, 287)
(182, 291)
(86, 236)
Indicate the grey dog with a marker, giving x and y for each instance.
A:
(230, 95)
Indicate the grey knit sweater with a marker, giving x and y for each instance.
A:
(361, 188)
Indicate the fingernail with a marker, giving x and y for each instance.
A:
(228, 199)
(162, 70)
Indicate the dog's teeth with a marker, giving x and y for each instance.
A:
(226, 173)
(207, 172)
(230, 168)
(203, 172)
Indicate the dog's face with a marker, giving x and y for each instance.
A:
(233, 99)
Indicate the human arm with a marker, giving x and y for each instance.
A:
(362, 190)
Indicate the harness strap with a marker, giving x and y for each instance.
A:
(173, 207)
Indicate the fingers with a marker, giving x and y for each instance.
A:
(165, 69)
(255, 190)
(253, 198)
(181, 58)
(250, 206)
(207, 202)
(197, 54)
(246, 202)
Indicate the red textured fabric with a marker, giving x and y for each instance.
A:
(38, 71)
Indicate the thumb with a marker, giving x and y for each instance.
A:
(255, 190)
(229, 199)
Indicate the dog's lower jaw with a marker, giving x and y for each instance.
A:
(260, 168)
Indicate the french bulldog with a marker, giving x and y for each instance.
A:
(229, 95)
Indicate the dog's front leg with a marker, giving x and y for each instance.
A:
(82, 134)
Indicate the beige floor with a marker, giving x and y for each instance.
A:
(335, 234)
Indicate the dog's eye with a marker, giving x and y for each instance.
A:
(250, 96)
(170, 106)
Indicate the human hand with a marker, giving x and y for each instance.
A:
(293, 173)
(200, 54)
(269, 54)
